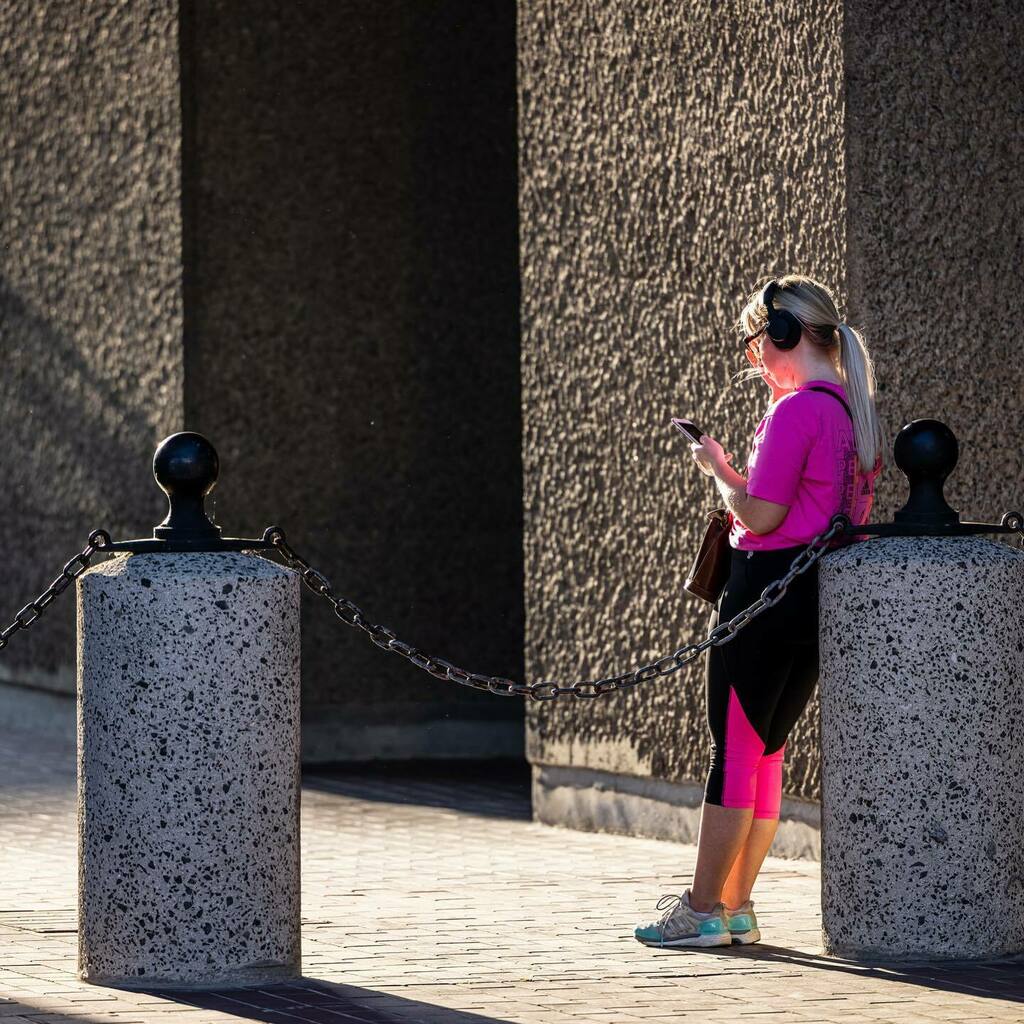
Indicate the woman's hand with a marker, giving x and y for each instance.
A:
(709, 455)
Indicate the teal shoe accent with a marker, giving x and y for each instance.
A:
(652, 933)
(743, 924)
(712, 926)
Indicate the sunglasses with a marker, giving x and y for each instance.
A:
(750, 337)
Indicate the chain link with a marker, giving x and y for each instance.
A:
(1014, 522)
(547, 689)
(75, 566)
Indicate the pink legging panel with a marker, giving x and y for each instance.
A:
(751, 777)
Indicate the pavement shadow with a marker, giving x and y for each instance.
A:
(997, 978)
(319, 1002)
(306, 1000)
(497, 788)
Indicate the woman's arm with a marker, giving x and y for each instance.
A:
(732, 486)
(758, 515)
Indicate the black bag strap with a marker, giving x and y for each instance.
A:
(838, 398)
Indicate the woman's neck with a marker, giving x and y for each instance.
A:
(821, 375)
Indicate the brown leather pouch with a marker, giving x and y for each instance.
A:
(714, 558)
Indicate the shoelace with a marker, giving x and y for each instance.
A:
(670, 901)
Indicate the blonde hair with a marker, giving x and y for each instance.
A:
(813, 305)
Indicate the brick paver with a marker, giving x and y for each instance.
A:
(428, 900)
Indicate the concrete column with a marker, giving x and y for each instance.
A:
(922, 746)
(188, 730)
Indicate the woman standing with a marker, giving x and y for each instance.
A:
(812, 456)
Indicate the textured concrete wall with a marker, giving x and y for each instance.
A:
(935, 214)
(352, 341)
(665, 165)
(312, 257)
(90, 296)
(656, 188)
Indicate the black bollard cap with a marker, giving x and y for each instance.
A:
(186, 467)
(927, 452)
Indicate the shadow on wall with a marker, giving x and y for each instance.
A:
(67, 425)
(80, 427)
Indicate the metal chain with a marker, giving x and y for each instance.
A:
(98, 540)
(546, 689)
(442, 669)
(1014, 522)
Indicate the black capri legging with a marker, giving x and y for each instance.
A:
(759, 682)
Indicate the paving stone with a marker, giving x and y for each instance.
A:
(431, 901)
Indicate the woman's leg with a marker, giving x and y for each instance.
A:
(730, 793)
(749, 688)
(800, 684)
(740, 882)
(723, 835)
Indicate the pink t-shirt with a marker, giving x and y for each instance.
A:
(804, 455)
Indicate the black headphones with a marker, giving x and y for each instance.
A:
(783, 328)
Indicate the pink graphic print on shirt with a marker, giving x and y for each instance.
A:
(858, 487)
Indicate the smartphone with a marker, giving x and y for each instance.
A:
(688, 427)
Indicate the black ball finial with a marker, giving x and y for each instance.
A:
(186, 466)
(927, 452)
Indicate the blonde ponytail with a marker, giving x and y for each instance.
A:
(859, 376)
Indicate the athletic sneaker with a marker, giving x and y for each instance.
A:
(681, 925)
(743, 923)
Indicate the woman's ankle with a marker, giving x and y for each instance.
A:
(702, 906)
(731, 904)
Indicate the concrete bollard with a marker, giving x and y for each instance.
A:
(188, 781)
(922, 722)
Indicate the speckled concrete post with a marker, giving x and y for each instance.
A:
(188, 774)
(922, 698)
